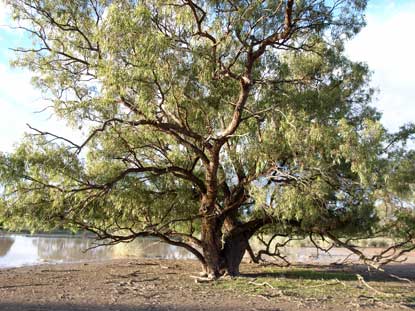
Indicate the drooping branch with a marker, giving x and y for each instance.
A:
(172, 129)
(175, 170)
(64, 26)
(275, 252)
(54, 137)
(393, 253)
(114, 238)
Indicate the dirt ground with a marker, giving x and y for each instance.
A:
(127, 285)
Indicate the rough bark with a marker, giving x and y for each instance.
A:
(224, 244)
(212, 244)
(223, 257)
(233, 253)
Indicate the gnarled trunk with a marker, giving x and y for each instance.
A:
(227, 259)
(212, 245)
(225, 239)
(233, 252)
(235, 243)
(223, 254)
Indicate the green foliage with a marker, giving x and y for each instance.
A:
(250, 106)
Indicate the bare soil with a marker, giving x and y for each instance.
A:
(127, 285)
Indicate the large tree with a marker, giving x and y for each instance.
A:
(207, 122)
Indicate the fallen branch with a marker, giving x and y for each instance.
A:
(201, 279)
(362, 281)
(398, 277)
(262, 284)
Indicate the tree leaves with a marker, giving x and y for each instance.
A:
(217, 109)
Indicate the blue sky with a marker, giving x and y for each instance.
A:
(386, 45)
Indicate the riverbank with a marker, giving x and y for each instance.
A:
(128, 285)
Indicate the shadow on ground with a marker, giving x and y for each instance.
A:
(340, 272)
(77, 307)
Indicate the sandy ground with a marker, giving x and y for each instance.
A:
(127, 285)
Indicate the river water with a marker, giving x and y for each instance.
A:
(21, 250)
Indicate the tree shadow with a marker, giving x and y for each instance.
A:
(393, 273)
(309, 274)
(85, 307)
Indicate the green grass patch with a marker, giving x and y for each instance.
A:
(321, 284)
(410, 299)
(305, 273)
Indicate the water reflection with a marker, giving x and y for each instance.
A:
(151, 248)
(20, 250)
(311, 255)
(6, 243)
(69, 249)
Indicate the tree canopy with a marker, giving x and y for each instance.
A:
(207, 122)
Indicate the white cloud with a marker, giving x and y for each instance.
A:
(387, 46)
(4, 12)
(20, 104)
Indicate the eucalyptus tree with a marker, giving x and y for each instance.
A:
(206, 122)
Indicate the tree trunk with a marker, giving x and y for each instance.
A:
(222, 260)
(235, 243)
(227, 258)
(212, 245)
(224, 242)
(233, 252)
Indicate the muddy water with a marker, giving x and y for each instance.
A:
(21, 250)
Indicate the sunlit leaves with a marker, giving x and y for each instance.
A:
(156, 83)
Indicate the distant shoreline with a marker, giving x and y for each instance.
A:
(48, 235)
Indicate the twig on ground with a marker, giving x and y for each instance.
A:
(264, 297)
(334, 282)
